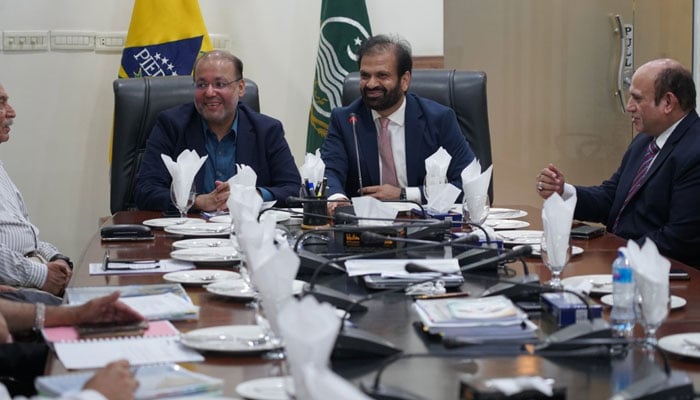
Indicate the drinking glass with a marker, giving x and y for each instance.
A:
(431, 183)
(190, 199)
(555, 261)
(651, 308)
(475, 208)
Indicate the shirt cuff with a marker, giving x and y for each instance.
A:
(338, 196)
(413, 194)
(37, 274)
(266, 194)
(569, 191)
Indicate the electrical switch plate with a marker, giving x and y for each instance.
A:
(219, 41)
(72, 40)
(25, 40)
(110, 41)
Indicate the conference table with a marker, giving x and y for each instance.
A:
(437, 376)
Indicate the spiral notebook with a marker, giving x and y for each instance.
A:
(160, 344)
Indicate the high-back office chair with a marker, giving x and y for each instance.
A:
(137, 103)
(462, 91)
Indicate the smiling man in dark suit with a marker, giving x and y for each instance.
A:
(415, 127)
(229, 132)
(654, 193)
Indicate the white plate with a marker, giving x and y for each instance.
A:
(229, 339)
(676, 301)
(238, 289)
(537, 251)
(200, 276)
(506, 213)
(600, 284)
(274, 388)
(163, 222)
(499, 224)
(521, 237)
(202, 242)
(200, 229)
(209, 255)
(677, 344)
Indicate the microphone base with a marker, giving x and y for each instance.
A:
(515, 291)
(357, 343)
(336, 298)
(384, 392)
(561, 339)
(677, 385)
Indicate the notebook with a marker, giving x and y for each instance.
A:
(160, 344)
(155, 382)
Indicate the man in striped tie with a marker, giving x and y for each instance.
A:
(654, 193)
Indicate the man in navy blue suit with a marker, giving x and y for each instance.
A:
(654, 193)
(394, 167)
(218, 125)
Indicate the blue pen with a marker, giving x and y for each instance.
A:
(310, 189)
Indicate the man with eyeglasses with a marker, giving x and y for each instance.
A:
(229, 132)
(25, 260)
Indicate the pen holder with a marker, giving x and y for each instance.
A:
(315, 213)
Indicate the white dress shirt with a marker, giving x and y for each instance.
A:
(19, 237)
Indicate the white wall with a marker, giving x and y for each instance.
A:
(58, 152)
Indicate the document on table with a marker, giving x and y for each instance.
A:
(160, 266)
(397, 267)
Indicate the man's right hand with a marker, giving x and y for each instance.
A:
(214, 200)
(115, 381)
(550, 180)
(57, 277)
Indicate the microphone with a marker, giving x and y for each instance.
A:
(353, 121)
(506, 255)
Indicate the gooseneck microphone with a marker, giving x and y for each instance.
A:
(353, 121)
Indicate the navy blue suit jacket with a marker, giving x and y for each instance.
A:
(428, 124)
(260, 144)
(666, 208)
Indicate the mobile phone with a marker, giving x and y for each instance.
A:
(677, 274)
(587, 232)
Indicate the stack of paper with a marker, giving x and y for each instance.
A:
(484, 319)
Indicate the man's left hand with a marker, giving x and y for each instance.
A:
(382, 192)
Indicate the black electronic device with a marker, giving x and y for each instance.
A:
(126, 232)
(587, 231)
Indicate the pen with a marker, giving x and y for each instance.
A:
(442, 296)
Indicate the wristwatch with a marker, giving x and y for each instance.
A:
(402, 195)
(64, 258)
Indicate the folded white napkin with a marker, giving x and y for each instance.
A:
(442, 197)
(313, 168)
(511, 386)
(557, 216)
(369, 207)
(257, 241)
(309, 329)
(245, 176)
(273, 278)
(475, 185)
(651, 279)
(321, 383)
(183, 172)
(244, 204)
(436, 164)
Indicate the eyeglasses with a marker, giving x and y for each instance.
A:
(217, 85)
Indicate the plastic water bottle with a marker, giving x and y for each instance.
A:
(622, 314)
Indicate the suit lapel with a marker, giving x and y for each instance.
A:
(414, 126)
(369, 151)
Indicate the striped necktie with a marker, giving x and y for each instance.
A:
(652, 149)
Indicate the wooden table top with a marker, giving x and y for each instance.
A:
(391, 317)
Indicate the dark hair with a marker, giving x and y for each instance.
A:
(224, 55)
(381, 43)
(679, 81)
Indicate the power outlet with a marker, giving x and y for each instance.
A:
(110, 41)
(25, 41)
(72, 40)
(219, 41)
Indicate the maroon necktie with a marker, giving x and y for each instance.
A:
(386, 154)
(652, 149)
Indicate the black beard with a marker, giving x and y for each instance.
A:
(390, 99)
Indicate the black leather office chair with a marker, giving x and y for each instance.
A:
(463, 91)
(137, 103)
